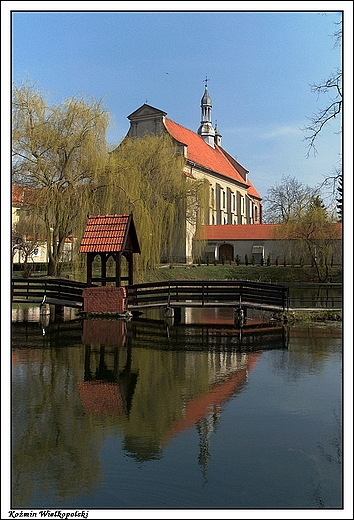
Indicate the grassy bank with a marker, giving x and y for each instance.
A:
(274, 274)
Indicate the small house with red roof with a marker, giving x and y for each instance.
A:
(233, 198)
(266, 240)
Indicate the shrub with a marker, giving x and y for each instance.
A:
(246, 259)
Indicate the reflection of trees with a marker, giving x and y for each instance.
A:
(57, 435)
(53, 445)
(308, 353)
(166, 380)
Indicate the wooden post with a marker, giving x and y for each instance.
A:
(103, 268)
(131, 269)
(89, 261)
(118, 269)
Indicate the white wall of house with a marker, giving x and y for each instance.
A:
(276, 249)
(40, 254)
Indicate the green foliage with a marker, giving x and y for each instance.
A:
(145, 176)
(253, 260)
(315, 232)
(246, 259)
(59, 152)
(237, 259)
(268, 260)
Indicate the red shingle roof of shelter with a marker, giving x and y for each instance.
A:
(204, 155)
(108, 233)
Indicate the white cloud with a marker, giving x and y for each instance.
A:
(281, 131)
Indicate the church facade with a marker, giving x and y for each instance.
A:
(233, 198)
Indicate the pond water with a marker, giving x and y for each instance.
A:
(145, 414)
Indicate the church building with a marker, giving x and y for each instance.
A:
(233, 198)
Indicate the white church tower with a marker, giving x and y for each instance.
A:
(206, 130)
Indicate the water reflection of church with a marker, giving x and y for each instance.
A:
(135, 388)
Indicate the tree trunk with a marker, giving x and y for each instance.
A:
(52, 266)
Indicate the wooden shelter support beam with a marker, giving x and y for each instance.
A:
(118, 269)
(131, 268)
(103, 268)
(89, 262)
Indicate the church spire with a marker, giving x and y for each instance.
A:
(206, 130)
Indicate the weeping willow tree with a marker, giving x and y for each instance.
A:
(145, 177)
(59, 152)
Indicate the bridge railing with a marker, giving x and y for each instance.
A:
(209, 293)
(159, 294)
(32, 290)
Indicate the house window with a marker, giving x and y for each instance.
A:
(223, 199)
(255, 213)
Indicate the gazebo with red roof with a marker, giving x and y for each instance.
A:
(110, 235)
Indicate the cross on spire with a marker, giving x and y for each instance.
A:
(206, 81)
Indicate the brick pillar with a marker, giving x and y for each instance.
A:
(105, 299)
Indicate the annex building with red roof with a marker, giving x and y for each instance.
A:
(233, 198)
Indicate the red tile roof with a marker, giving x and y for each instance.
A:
(252, 232)
(242, 232)
(252, 190)
(17, 194)
(201, 153)
(22, 195)
(107, 233)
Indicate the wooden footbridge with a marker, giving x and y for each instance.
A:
(236, 294)
(173, 294)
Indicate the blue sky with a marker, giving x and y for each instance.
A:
(260, 66)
